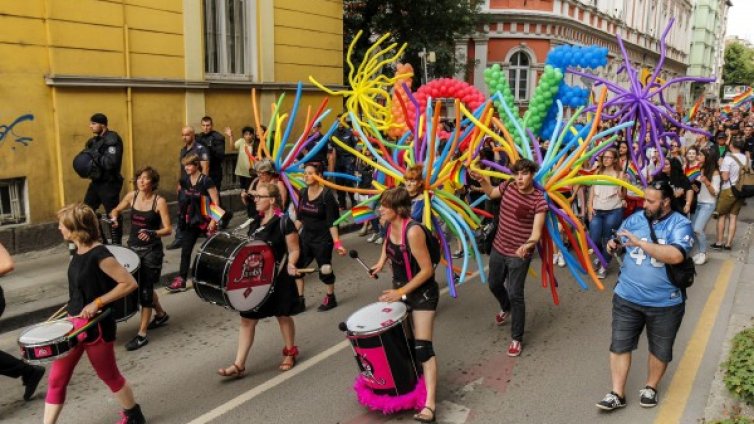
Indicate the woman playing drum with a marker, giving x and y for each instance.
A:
(278, 231)
(95, 279)
(419, 291)
(150, 221)
(316, 213)
(193, 186)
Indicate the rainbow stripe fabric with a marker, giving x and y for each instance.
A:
(693, 172)
(362, 214)
(211, 210)
(694, 109)
(742, 98)
(632, 171)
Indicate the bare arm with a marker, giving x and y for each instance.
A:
(205, 167)
(167, 226)
(292, 241)
(123, 205)
(487, 188)
(536, 235)
(6, 262)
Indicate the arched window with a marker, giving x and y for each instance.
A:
(518, 75)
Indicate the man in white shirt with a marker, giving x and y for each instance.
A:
(728, 205)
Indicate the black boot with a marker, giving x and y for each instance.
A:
(31, 378)
(133, 416)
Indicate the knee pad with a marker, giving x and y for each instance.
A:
(326, 275)
(424, 350)
(325, 269)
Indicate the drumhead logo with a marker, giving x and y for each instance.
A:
(253, 267)
(42, 352)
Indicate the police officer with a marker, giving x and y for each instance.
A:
(345, 162)
(106, 151)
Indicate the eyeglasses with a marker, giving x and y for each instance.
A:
(259, 196)
(608, 157)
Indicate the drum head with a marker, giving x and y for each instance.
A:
(46, 332)
(250, 276)
(125, 256)
(376, 318)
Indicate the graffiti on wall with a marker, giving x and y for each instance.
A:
(5, 130)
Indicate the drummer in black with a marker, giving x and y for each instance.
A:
(275, 228)
(150, 221)
(420, 292)
(11, 366)
(95, 280)
(316, 212)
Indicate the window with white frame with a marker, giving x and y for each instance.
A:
(228, 38)
(518, 75)
(12, 204)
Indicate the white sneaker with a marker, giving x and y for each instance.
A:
(379, 240)
(601, 273)
(560, 260)
(372, 238)
(700, 258)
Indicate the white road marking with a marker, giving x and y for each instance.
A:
(455, 413)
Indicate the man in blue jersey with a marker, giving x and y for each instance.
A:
(644, 295)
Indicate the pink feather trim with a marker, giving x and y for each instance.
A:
(390, 404)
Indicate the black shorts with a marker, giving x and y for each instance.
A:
(318, 250)
(150, 271)
(629, 320)
(425, 298)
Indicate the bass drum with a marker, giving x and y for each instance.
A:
(126, 307)
(235, 273)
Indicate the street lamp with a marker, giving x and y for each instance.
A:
(426, 57)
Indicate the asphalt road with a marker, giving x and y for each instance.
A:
(561, 374)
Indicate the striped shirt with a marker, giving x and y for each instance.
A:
(516, 218)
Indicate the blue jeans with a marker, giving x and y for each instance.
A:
(700, 219)
(601, 228)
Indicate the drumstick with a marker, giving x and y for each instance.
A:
(56, 314)
(306, 270)
(93, 321)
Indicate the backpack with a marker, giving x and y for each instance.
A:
(744, 187)
(433, 245)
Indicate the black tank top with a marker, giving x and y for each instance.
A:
(397, 260)
(144, 220)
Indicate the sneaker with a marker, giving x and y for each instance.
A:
(514, 349)
(158, 321)
(648, 397)
(31, 380)
(717, 246)
(132, 416)
(560, 260)
(611, 402)
(457, 254)
(328, 303)
(601, 273)
(500, 317)
(176, 244)
(178, 285)
(727, 247)
(379, 240)
(700, 258)
(372, 238)
(137, 343)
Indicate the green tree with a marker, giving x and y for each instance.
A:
(739, 64)
(430, 24)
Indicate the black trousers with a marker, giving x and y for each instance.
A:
(10, 366)
(190, 236)
(107, 194)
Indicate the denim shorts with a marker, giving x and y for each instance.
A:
(629, 320)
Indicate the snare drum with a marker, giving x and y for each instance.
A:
(382, 341)
(126, 307)
(233, 272)
(46, 342)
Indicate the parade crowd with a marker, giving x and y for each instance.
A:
(688, 185)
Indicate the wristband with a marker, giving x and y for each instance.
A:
(98, 302)
(338, 244)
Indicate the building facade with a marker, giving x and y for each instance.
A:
(520, 33)
(151, 67)
(710, 21)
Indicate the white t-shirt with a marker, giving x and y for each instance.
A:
(730, 165)
(242, 164)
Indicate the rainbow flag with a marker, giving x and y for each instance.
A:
(739, 100)
(632, 172)
(694, 109)
(693, 172)
(459, 175)
(362, 214)
(211, 210)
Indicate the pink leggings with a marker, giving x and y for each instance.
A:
(102, 357)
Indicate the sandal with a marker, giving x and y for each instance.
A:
(422, 418)
(235, 371)
(289, 358)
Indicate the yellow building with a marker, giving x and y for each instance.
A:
(151, 66)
